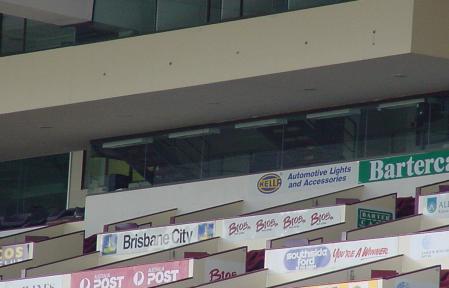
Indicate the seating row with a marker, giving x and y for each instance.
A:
(307, 227)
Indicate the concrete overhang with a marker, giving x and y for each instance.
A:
(57, 12)
(311, 59)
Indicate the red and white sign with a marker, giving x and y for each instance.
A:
(149, 275)
(281, 224)
(220, 269)
(330, 256)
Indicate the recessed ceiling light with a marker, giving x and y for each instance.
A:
(45, 127)
(310, 89)
(399, 75)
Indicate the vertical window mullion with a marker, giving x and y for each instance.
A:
(24, 40)
(1, 34)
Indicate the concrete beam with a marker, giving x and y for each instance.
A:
(58, 12)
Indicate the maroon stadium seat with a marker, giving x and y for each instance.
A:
(126, 226)
(377, 274)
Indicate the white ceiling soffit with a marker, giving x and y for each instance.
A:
(57, 12)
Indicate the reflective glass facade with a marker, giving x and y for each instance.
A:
(283, 142)
(33, 185)
(115, 19)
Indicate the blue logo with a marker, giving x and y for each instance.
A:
(307, 258)
(206, 231)
(427, 242)
(403, 285)
(432, 204)
(109, 244)
(269, 183)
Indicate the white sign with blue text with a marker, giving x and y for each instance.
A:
(436, 205)
(336, 176)
(429, 245)
(154, 239)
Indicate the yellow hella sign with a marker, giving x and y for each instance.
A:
(269, 183)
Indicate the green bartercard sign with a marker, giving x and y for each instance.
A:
(367, 217)
(404, 166)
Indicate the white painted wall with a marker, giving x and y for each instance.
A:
(112, 207)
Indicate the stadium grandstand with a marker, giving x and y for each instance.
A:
(224, 143)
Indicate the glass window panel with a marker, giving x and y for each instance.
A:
(96, 172)
(263, 7)
(45, 182)
(10, 188)
(439, 122)
(303, 4)
(174, 14)
(270, 144)
(395, 129)
(280, 6)
(41, 36)
(321, 139)
(123, 166)
(95, 32)
(12, 35)
(215, 11)
(172, 159)
(37, 185)
(128, 16)
(237, 151)
(231, 9)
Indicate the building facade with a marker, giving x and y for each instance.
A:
(148, 95)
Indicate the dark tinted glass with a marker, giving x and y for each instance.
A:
(438, 122)
(115, 19)
(129, 17)
(265, 145)
(240, 150)
(304, 4)
(263, 7)
(12, 34)
(173, 14)
(30, 184)
(319, 138)
(41, 36)
(395, 128)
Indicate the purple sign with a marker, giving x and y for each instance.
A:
(307, 258)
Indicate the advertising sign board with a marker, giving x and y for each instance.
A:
(337, 176)
(436, 205)
(41, 282)
(429, 245)
(16, 253)
(149, 275)
(368, 217)
(330, 256)
(362, 284)
(154, 239)
(405, 166)
(280, 224)
(220, 269)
